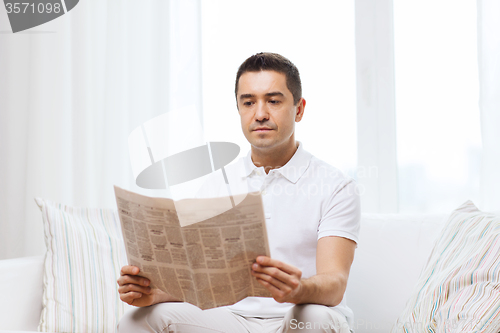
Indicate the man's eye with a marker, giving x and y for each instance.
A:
(274, 101)
(247, 103)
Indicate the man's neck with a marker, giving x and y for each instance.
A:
(273, 158)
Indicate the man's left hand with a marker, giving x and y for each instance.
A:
(282, 280)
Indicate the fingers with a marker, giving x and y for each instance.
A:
(130, 287)
(129, 275)
(279, 295)
(279, 291)
(268, 262)
(272, 281)
(133, 279)
(130, 297)
(130, 270)
(282, 280)
(134, 289)
(276, 277)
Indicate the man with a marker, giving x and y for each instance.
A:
(312, 217)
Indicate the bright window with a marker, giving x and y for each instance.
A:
(438, 130)
(318, 36)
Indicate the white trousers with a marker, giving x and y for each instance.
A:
(187, 318)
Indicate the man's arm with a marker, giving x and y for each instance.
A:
(334, 256)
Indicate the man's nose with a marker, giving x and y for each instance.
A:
(262, 112)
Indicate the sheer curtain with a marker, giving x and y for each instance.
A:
(72, 90)
(489, 100)
(432, 145)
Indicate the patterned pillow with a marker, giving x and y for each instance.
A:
(85, 252)
(459, 288)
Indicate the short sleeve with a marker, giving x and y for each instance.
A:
(342, 213)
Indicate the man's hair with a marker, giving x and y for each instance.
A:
(265, 61)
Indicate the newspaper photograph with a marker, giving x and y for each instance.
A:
(206, 263)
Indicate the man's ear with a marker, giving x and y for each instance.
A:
(301, 105)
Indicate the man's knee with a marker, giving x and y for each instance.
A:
(311, 312)
(314, 318)
(155, 318)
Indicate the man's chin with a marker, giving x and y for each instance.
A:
(262, 143)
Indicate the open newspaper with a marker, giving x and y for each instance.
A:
(206, 263)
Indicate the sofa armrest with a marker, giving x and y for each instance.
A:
(393, 249)
(21, 281)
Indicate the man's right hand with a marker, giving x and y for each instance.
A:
(135, 289)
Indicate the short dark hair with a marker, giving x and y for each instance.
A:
(266, 61)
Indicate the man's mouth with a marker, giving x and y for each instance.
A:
(262, 129)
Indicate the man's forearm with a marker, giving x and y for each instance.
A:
(324, 289)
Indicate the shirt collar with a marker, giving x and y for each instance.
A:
(292, 170)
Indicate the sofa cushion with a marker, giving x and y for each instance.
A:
(459, 288)
(84, 256)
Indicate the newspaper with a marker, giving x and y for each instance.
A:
(207, 263)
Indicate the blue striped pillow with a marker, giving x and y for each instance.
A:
(459, 288)
(85, 252)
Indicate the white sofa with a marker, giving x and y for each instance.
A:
(392, 251)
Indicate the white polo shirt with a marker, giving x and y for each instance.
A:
(304, 200)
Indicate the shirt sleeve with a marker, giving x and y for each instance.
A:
(342, 213)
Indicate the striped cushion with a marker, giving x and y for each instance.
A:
(85, 252)
(459, 288)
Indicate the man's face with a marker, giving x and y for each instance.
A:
(267, 112)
